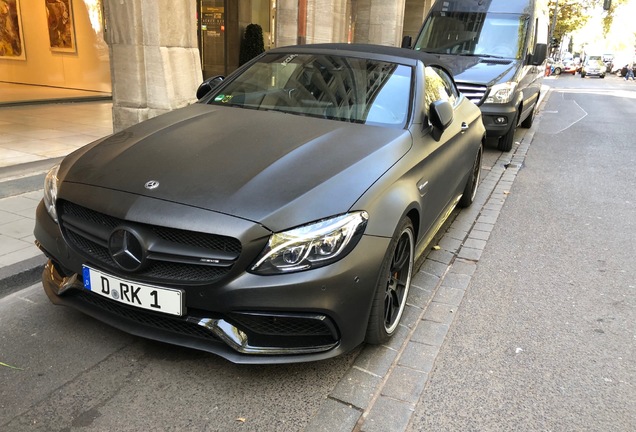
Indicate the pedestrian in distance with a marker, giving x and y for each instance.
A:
(630, 72)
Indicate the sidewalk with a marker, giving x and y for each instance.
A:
(32, 139)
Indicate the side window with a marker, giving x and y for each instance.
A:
(438, 86)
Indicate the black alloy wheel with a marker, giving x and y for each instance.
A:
(393, 285)
(470, 191)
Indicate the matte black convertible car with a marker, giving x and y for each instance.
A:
(277, 219)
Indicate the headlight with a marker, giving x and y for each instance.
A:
(50, 191)
(310, 246)
(501, 93)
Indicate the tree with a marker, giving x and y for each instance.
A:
(573, 15)
(609, 17)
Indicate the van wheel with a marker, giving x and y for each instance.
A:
(393, 285)
(505, 142)
(527, 123)
(473, 181)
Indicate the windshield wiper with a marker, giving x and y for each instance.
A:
(481, 55)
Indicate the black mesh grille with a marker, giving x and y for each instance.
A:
(94, 250)
(281, 325)
(206, 241)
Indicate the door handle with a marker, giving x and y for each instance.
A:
(464, 127)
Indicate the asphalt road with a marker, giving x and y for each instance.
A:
(545, 339)
(76, 373)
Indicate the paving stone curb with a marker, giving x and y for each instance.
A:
(21, 275)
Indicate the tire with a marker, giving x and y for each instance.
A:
(505, 142)
(527, 123)
(557, 71)
(602, 76)
(470, 190)
(393, 285)
(582, 74)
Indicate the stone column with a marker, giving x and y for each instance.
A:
(326, 21)
(379, 22)
(414, 13)
(286, 22)
(155, 63)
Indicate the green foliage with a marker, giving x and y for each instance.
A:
(573, 15)
(609, 17)
(252, 44)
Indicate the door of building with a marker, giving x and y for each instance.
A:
(212, 37)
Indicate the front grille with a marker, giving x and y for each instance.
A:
(88, 231)
(475, 92)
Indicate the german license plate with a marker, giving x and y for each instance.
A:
(158, 299)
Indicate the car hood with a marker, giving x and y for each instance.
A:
(276, 169)
(480, 70)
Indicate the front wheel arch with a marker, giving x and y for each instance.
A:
(393, 285)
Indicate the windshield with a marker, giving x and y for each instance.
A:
(339, 88)
(474, 33)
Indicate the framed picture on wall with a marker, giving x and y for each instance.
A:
(11, 37)
(59, 15)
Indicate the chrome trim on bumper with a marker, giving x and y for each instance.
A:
(57, 283)
(238, 340)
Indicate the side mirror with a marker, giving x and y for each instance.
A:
(540, 54)
(441, 115)
(406, 42)
(208, 85)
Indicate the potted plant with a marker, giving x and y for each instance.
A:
(252, 44)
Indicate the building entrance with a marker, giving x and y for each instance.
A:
(212, 37)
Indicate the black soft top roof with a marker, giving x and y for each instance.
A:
(361, 49)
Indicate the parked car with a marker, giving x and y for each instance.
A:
(578, 63)
(276, 220)
(556, 66)
(570, 67)
(593, 67)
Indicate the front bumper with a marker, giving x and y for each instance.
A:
(297, 317)
(594, 73)
(498, 118)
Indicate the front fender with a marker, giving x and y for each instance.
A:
(392, 205)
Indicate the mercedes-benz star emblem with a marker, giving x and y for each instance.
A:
(152, 184)
(126, 249)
